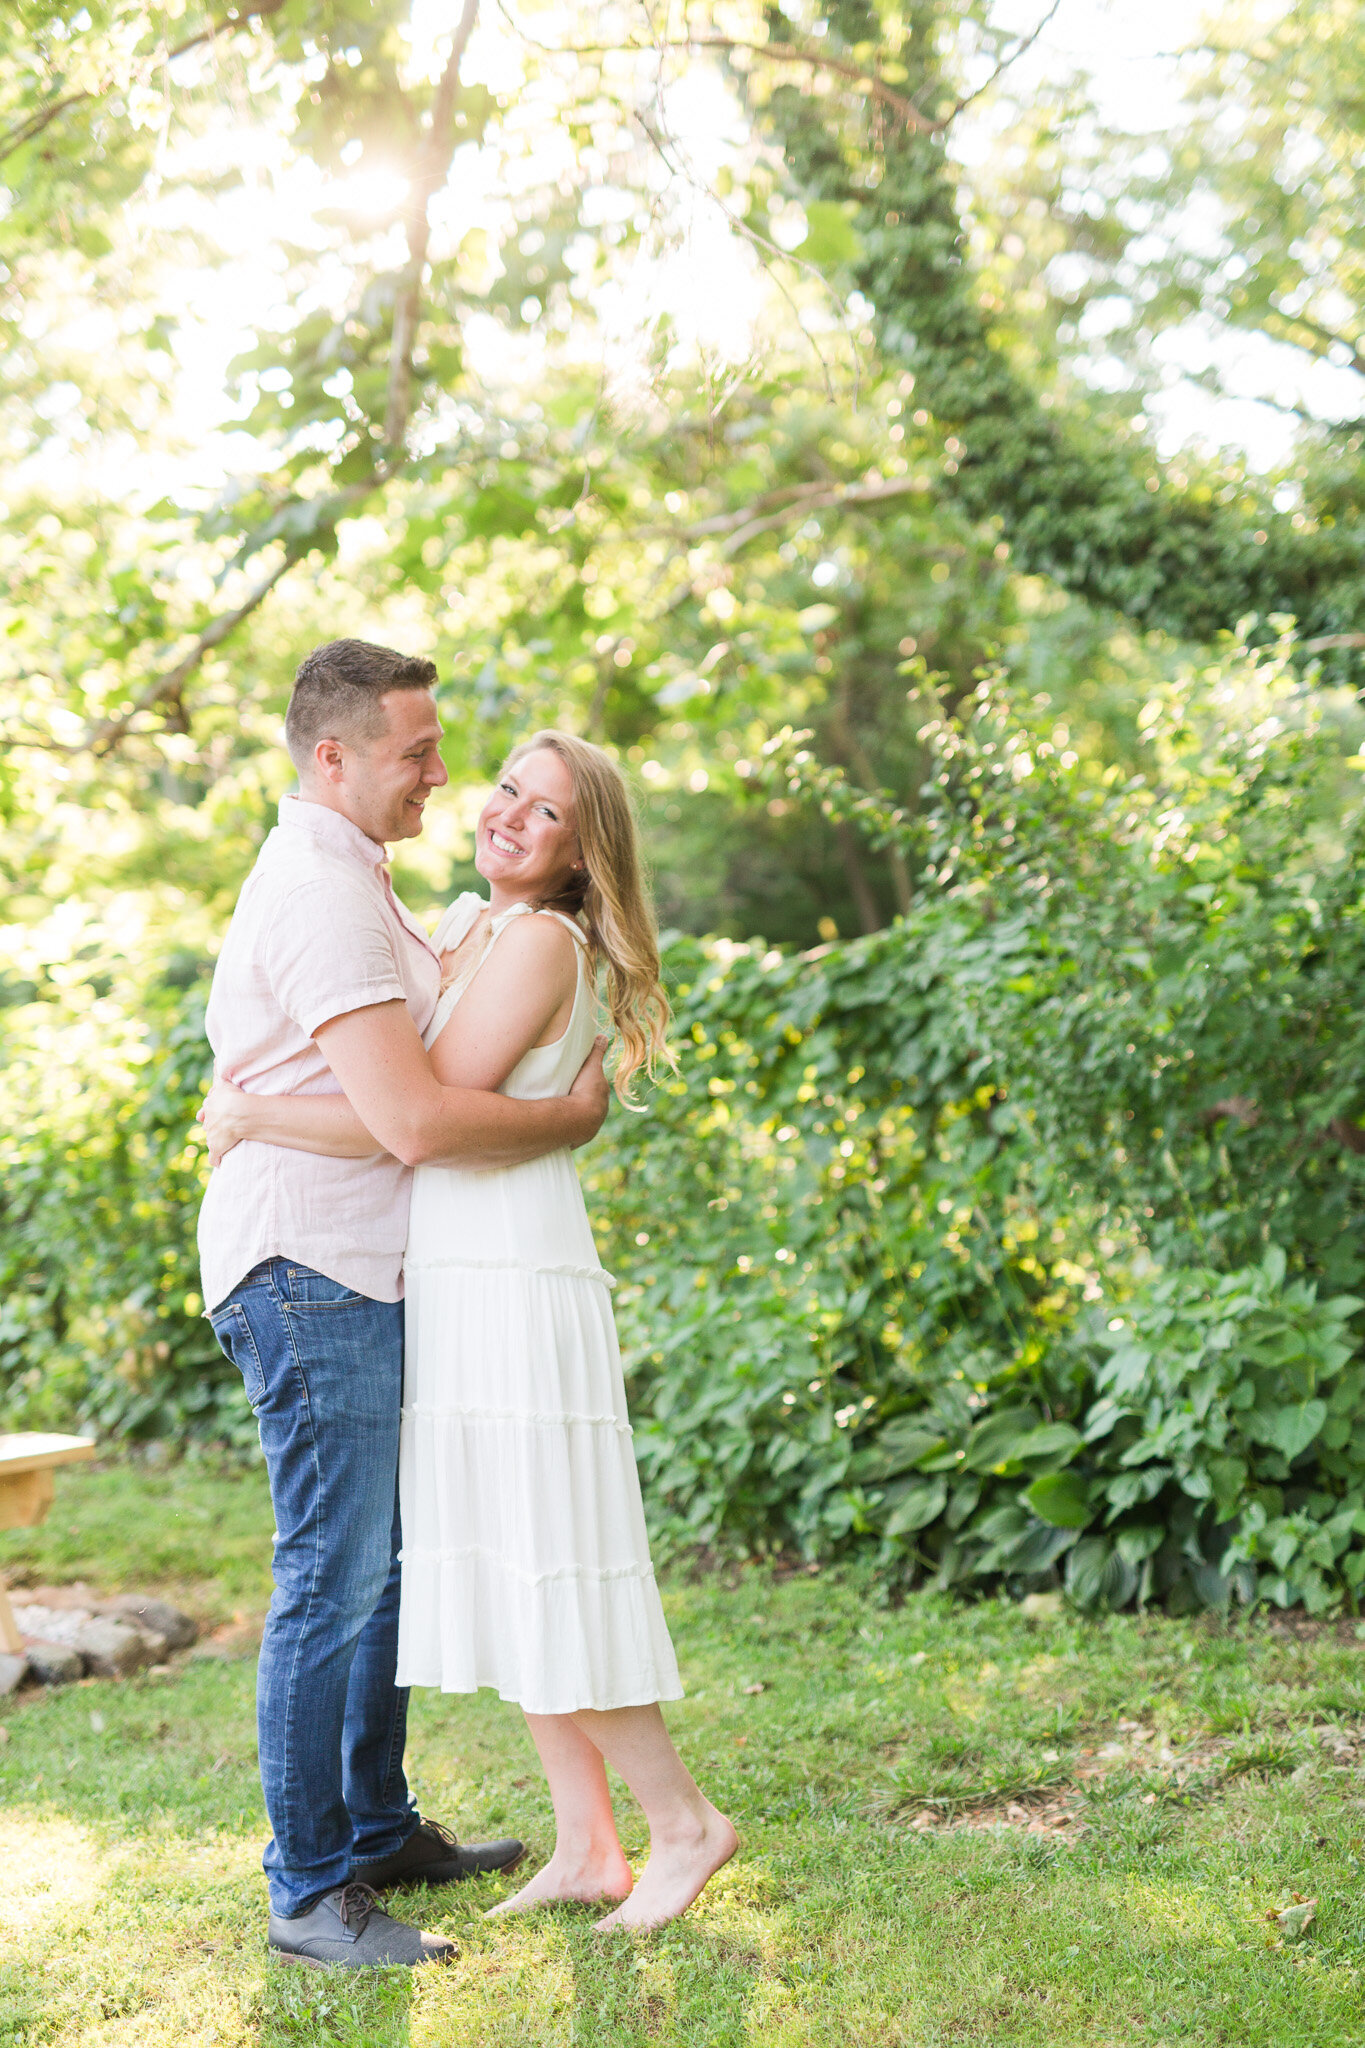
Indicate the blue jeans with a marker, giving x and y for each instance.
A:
(323, 1368)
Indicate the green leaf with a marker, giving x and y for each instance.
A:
(1289, 1429)
(996, 1440)
(922, 1504)
(901, 1444)
(1057, 1442)
(830, 239)
(1137, 1544)
(1061, 1498)
(1294, 1920)
(1097, 1575)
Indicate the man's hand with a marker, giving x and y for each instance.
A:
(590, 1093)
(222, 1118)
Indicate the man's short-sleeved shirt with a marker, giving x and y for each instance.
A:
(317, 932)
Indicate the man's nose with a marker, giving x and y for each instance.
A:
(435, 774)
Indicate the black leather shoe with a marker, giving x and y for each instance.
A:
(431, 1855)
(345, 1930)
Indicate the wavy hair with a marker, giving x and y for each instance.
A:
(610, 899)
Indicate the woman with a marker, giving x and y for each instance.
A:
(525, 1560)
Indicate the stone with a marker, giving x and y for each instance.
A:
(77, 1595)
(1042, 1606)
(111, 1649)
(155, 1617)
(52, 1624)
(12, 1670)
(55, 1663)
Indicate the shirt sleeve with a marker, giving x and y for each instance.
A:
(329, 951)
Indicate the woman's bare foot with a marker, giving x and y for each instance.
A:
(678, 1869)
(585, 1880)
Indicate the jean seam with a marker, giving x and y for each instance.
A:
(301, 1377)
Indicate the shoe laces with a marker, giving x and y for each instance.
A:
(442, 1833)
(356, 1904)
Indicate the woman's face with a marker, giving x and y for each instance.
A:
(526, 843)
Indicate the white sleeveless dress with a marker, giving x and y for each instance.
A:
(525, 1558)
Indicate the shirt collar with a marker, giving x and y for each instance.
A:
(331, 830)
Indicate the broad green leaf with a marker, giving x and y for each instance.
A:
(830, 239)
(922, 1504)
(1290, 1428)
(1061, 1498)
(1097, 1576)
(996, 1440)
(1057, 1442)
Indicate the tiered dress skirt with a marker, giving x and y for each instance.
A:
(525, 1556)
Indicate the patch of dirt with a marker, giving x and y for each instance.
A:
(240, 1637)
(1058, 1811)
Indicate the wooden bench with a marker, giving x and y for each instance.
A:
(27, 1463)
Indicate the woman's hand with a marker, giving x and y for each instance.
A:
(226, 1117)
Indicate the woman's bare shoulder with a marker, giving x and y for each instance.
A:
(536, 945)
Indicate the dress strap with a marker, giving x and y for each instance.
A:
(571, 923)
(504, 918)
(455, 920)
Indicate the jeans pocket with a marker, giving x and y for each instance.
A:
(302, 1288)
(237, 1344)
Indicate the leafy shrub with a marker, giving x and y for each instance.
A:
(1015, 1241)
(100, 1183)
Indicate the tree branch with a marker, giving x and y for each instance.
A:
(748, 524)
(1325, 335)
(1325, 642)
(42, 117)
(780, 53)
(104, 736)
(431, 175)
(1020, 49)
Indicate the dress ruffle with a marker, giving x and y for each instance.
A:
(525, 1554)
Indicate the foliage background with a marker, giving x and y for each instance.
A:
(1003, 1216)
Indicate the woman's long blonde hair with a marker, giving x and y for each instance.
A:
(610, 900)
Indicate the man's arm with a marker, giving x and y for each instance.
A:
(384, 1071)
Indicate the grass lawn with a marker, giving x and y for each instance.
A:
(958, 1825)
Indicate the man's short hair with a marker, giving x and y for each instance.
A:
(337, 692)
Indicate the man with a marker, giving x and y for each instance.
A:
(326, 982)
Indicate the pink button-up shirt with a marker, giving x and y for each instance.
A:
(317, 932)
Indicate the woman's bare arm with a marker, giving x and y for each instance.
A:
(303, 1123)
(521, 996)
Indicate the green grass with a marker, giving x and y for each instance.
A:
(132, 1908)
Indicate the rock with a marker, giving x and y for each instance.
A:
(77, 1595)
(1041, 1606)
(111, 1649)
(12, 1669)
(55, 1663)
(155, 1617)
(52, 1624)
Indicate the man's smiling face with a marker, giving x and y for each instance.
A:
(387, 780)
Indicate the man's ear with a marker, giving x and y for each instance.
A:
(329, 761)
